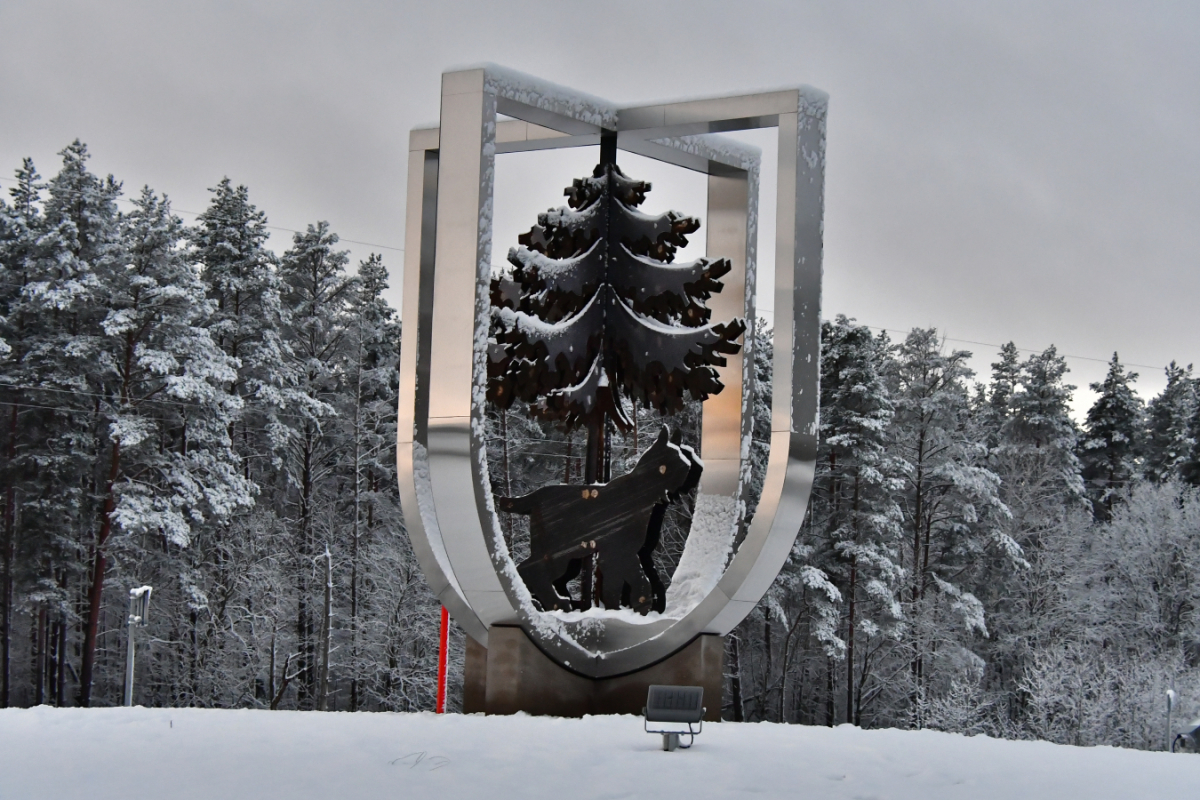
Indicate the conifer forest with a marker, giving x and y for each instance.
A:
(183, 408)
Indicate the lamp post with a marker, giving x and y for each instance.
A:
(1170, 707)
(139, 607)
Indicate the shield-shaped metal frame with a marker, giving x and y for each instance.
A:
(444, 484)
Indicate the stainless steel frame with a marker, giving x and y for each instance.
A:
(445, 490)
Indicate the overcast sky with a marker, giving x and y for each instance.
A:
(1025, 171)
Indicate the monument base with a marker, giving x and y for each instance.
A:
(512, 675)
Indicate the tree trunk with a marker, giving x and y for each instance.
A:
(918, 575)
(39, 656)
(96, 592)
(852, 599)
(304, 627)
(326, 634)
(357, 529)
(735, 680)
(829, 717)
(60, 654)
(768, 648)
(850, 621)
(595, 468)
(9, 547)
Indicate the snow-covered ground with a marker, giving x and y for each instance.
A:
(59, 754)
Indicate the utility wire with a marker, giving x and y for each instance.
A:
(767, 309)
(997, 346)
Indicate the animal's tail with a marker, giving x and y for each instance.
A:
(516, 505)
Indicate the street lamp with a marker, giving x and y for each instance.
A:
(139, 608)
(1171, 697)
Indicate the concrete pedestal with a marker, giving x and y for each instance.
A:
(512, 675)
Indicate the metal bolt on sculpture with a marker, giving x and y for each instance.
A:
(591, 317)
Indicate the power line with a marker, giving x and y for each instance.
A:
(1023, 349)
(761, 307)
(998, 346)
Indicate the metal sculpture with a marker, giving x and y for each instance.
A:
(592, 318)
(594, 312)
(450, 512)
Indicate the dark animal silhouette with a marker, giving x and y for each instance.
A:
(619, 521)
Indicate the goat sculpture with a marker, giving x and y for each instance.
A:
(620, 522)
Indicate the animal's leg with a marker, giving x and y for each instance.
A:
(642, 594)
(574, 567)
(610, 586)
(539, 578)
(658, 592)
(620, 571)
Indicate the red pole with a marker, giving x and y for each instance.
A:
(441, 697)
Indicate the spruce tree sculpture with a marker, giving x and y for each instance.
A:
(594, 317)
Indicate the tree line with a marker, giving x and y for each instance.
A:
(182, 407)
(186, 409)
(975, 561)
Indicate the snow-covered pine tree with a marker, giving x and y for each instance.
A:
(951, 506)
(229, 241)
(1109, 449)
(1190, 469)
(1038, 444)
(1006, 377)
(20, 229)
(594, 315)
(49, 309)
(367, 422)
(1167, 441)
(390, 634)
(317, 292)
(246, 321)
(65, 299)
(1039, 406)
(168, 466)
(855, 523)
(1041, 486)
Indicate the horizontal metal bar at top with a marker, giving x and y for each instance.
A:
(711, 115)
(537, 129)
(517, 136)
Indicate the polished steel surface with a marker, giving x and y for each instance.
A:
(412, 429)
(723, 424)
(442, 459)
(517, 135)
